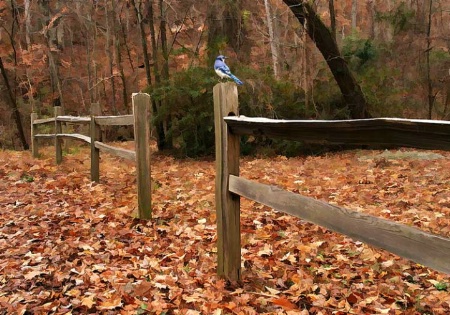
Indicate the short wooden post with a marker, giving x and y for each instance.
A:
(58, 130)
(34, 143)
(141, 112)
(227, 163)
(95, 134)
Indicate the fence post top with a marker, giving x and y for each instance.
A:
(225, 84)
(139, 93)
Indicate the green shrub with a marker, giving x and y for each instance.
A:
(187, 101)
(358, 51)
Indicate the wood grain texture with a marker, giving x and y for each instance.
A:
(124, 120)
(141, 112)
(74, 119)
(405, 241)
(96, 135)
(423, 134)
(119, 152)
(45, 135)
(44, 121)
(58, 130)
(33, 139)
(75, 136)
(227, 204)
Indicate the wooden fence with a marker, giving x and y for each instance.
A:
(141, 121)
(405, 241)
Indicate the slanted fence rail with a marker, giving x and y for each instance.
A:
(141, 122)
(425, 248)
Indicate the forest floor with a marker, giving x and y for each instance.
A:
(71, 246)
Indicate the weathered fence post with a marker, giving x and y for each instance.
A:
(34, 143)
(95, 134)
(58, 130)
(141, 112)
(227, 163)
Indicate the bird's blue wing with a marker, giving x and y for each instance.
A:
(224, 69)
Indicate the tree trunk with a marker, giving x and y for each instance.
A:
(273, 43)
(162, 142)
(89, 67)
(431, 96)
(160, 135)
(332, 18)
(10, 90)
(305, 70)
(109, 53)
(163, 30)
(159, 125)
(151, 22)
(28, 46)
(137, 10)
(321, 35)
(371, 16)
(165, 70)
(118, 55)
(224, 23)
(27, 23)
(14, 107)
(124, 30)
(354, 14)
(51, 40)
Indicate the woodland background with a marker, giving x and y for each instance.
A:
(73, 53)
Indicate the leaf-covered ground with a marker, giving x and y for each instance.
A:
(70, 246)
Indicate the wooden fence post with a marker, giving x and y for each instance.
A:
(34, 143)
(95, 134)
(141, 112)
(227, 203)
(58, 130)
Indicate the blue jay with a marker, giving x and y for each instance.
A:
(223, 71)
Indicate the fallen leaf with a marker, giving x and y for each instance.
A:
(273, 291)
(88, 301)
(284, 303)
(143, 288)
(110, 304)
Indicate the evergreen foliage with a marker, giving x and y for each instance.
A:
(358, 51)
(188, 102)
(401, 18)
(381, 83)
(189, 105)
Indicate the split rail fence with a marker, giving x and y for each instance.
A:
(141, 121)
(405, 241)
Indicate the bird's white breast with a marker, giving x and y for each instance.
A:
(221, 74)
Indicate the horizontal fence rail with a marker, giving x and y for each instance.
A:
(125, 120)
(74, 119)
(415, 133)
(405, 241)
(75, 136)
(141, 121)
(119, 152)
(44, 121)
(400, 239)
(45, 135)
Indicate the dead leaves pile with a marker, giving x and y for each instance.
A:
(70, 246)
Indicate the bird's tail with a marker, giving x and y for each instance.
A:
(235, 79)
